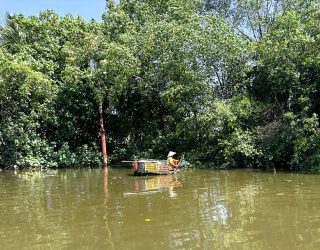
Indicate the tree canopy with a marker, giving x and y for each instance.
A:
(223, 83)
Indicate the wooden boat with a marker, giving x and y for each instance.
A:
(149, 167)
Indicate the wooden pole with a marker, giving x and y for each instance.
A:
(103, 138)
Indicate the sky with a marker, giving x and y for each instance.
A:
(87, 9)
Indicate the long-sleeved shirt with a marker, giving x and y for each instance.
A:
(172, 162)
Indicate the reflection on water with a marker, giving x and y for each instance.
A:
(154, 184)
(108, 236)
(105, 186)
(111, 209)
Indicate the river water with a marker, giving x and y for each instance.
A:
(196, 209)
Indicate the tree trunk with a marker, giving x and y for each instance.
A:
(103, 138)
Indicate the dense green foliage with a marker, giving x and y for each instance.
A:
(224, 83)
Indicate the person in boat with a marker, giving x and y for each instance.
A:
(171, 161)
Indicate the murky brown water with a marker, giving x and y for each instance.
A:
(96, 209)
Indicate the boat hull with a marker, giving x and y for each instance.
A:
(152, 168)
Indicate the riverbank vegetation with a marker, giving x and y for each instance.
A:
(225, 83)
